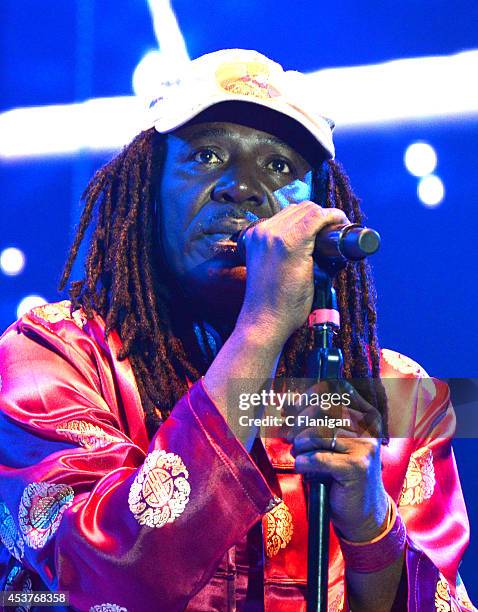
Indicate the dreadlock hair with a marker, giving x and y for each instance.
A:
(126, 283)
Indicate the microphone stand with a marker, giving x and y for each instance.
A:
(323, 362)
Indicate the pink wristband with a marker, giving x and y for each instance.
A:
(324, 315)
(368, 557)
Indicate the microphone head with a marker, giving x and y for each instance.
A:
(358, 242)
(369, 241)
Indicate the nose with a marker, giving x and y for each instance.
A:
(238, 188)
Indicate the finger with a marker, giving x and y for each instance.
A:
(318, 217)
(299, 396)
(306, 218)
(322, 464)
(323, 420)
(367, 418)
(297, 210)
(357, 400)
(295, 423)
(310, 440)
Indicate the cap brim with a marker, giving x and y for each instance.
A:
(321, 133)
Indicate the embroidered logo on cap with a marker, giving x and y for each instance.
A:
(246, 79)
(160, 491)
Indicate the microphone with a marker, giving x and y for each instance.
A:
(335, 245)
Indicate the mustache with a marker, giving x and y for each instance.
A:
(239, 214)
(229, 218)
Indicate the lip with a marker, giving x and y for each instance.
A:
(219, 237)
(226, 228)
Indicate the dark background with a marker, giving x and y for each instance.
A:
(59, 51)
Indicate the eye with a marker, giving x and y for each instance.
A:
(206, 156)
(280, 166)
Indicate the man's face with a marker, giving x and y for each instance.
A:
(219, 176)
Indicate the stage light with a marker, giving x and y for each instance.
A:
(154, 68)
(145, 75)
(166, 62)
(420, 159)
(12, 261)
(29, 302)
(436, 88)
(431, 190)
(102, 124)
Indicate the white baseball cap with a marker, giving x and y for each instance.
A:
(239, 75)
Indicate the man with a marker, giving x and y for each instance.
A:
(126, 486)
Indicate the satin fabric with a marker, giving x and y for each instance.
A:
(74, 447)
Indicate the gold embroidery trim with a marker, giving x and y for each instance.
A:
(338, 604)
(160, 491)
(278, 528)
(419, 481)
(462, 596)
(442, 595)
(10, 536)
(86, 434)
(60, 311)
(403, 364)
(108, 607)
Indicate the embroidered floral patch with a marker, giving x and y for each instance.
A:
(108, 607)
(160, 491)
(442, 595)
(41, 509)
(9, 534)
(337, 604)
(19, 579)
(60, 311)
(278, 529)
(86, 434)
(403, 364)
(420, 478)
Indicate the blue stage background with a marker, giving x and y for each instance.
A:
(61, 52)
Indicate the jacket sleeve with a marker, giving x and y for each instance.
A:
(432, 506)
(87, 510)
(422, 478)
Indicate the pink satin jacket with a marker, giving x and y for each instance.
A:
(189, 520)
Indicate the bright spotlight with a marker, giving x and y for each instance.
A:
(146, 75)
(99, 124)
(12, 261)
(29, 302)
(153, 69)
(431, 190)
(420, 159)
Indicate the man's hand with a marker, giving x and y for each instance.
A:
(358, 501)
(280, 268)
